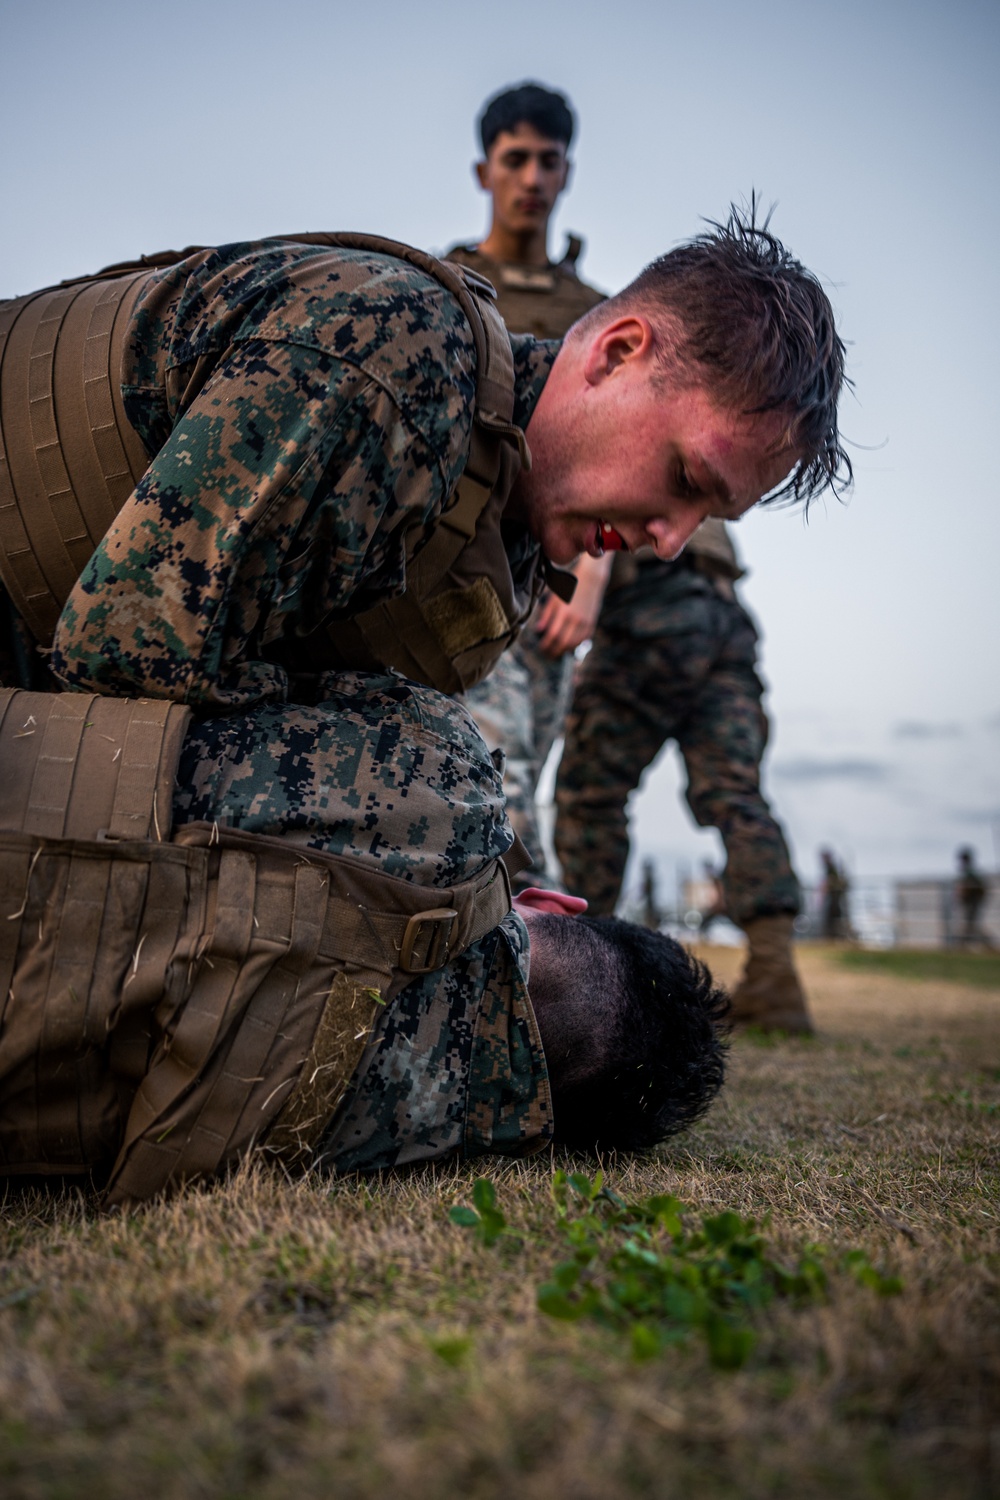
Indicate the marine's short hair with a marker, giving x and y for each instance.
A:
(660, 1024)
(751, 325)
(527, 104)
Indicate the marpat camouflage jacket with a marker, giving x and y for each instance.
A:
(301, 406)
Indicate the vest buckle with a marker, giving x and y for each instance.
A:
(422, 953)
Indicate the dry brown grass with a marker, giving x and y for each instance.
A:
(269, 1339)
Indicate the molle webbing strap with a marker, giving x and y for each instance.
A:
(297, 955)
(19, 567)
(517, 857)
(395, 633)
(494, 362)
(68, 456)
(82, 767)
(95, 940)
(173, 1003)
(367, 912)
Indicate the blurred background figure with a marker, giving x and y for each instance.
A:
(715, 906)
(970, 893)
(652, 915)
(835, 890)
(674, 657)
(525, 134)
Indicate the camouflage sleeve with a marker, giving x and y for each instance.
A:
(280, 495)
(455, 1066)
(509, 1102)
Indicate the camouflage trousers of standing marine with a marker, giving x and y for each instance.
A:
(520, 709)
(674, 658)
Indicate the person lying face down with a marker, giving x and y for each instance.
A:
(549, 1026)
(538, 1025)
(629, 1023)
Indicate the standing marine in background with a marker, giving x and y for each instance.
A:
(971, 891)
(836, 888)
(526, 134)
(675, 653)
(675, 657)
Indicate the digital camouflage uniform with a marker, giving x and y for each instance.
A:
(455, 1063)
(971, 891)
(176, 995)
(674, 657)
(455, 1066)
(300, 406)
(521, 706)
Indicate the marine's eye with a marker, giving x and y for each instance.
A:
(685, 484)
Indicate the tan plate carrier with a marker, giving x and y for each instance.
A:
(167, 1000)
(69, 460)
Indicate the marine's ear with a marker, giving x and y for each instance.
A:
(613, 345)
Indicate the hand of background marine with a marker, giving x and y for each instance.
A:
(562, 627)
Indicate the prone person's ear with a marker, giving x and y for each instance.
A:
(555, 902)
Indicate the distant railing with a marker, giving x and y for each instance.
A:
(930, 915)
(880, 911)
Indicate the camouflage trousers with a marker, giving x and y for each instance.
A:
(673, 658)
(381, 770)
(520, 709)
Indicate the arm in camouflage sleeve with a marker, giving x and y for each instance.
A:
(279, 496)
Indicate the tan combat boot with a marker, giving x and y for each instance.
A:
(769, 994)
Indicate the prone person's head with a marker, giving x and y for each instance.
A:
(710, 382)
(632, 1027)
(526, 134)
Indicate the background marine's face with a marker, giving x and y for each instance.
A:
(524, 172)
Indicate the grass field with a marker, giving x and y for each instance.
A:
(268, 1339)
(919, 963)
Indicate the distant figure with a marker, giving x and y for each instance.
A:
(675, 658)
(526, 134)
(715, 907)
(651, 914)
(836, 886)
(970, 893)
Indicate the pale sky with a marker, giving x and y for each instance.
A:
(873, 127)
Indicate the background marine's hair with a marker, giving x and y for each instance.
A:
(664, 1050)
(528, 104)
(753, 325)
